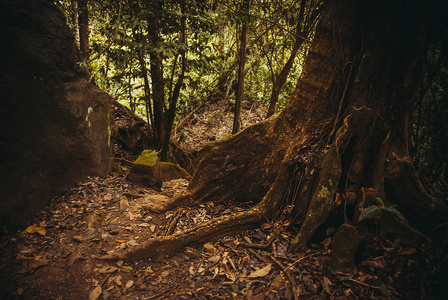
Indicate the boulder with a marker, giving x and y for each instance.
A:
(147, 170)
(55, 125)
(345, 243)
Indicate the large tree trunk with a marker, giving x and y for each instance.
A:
(342, 141)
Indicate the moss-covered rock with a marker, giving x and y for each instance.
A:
(147, 170)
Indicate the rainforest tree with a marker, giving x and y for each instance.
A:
(341, 143)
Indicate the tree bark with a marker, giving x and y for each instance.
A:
(158, 93)
(83, 22)
(241, 63)
(171, 113)
(341, 142)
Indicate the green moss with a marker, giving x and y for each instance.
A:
(148, 158)
(324, 192)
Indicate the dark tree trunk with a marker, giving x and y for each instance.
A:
(148, 106)
(241, 63)
(158, 93)
(341, 142)
(83, 21)
(171, 113)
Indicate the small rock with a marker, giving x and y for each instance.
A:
(124, 203)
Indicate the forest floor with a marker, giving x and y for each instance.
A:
(57, 256)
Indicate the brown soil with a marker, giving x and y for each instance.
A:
(58, 257)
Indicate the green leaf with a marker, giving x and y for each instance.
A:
(384, 290)
(396, 212)
(369, 212)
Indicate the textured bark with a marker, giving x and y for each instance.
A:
(342, 140)
(241, 64)
(158, 93)
(83, 22)
(171, 113)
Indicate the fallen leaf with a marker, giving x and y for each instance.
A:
(38, 264)
(209, 247)
(373, 263)
(129, 284)
(191, 270)
(132, 215)
(95, 293)
(120, 241)
(365, 277)
(143, 225)
(42, 232)
(107, 269)
(19, 291)
(117, 280)
(77, 238)
(152, 227)
(33, 229)
(262, 272)
(326, 283)
(210, 203)
(126, 269)
(385, 290)
(407, 251)
(214, 259)
(165, 273)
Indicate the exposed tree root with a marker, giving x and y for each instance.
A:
(344, 131)
(161, 246)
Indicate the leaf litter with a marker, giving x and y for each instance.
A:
(56, 257)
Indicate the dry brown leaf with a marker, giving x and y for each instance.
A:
(214, 259)
(33, 229)
(117, 280)
(407, 251)
(95, 293)
(373, 263)
(129, 284)
(107, 269)
(191, 270)
(326, 283)
(209, 247)
(262, 272)
(365, 277)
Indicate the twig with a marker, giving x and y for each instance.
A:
(106, 278)
(295, 290)
(261, 258)
(364, 284)
(260, 246)
(172, 226)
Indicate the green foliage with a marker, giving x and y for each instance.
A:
(373, 212)
(119, 34)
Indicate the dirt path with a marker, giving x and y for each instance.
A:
(57, 257)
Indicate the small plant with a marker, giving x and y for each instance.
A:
(374, 211)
